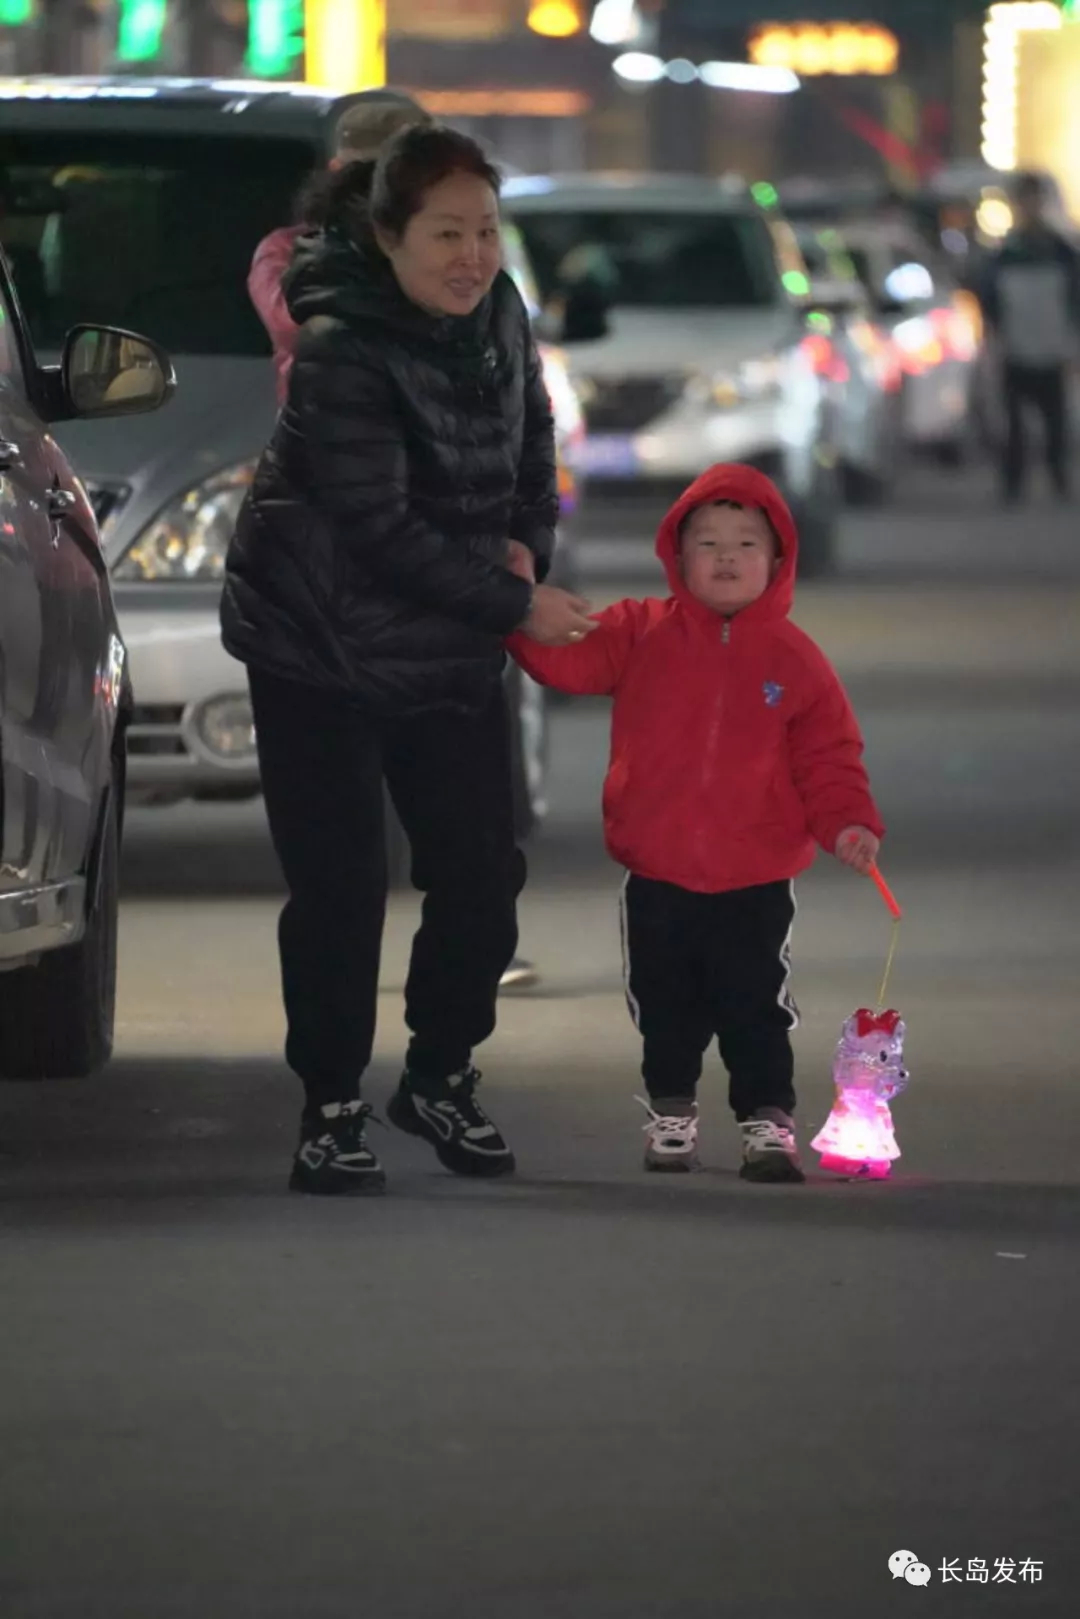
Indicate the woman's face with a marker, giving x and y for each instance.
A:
(449, 253)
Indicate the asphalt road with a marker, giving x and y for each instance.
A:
(588, 1392)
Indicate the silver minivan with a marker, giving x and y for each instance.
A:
(140, 203)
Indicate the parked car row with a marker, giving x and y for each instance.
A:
(713, 326)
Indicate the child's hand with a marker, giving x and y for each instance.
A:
(858, 847)
(520, 560)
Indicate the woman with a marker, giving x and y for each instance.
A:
(369, 590)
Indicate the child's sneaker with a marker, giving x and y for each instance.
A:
(333, 1158)
(671, 1135)
(769, 1149)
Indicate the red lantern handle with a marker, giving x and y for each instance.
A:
(887, 894)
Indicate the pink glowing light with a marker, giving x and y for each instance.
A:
(858, 1138)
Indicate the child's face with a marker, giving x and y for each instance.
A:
(728, 556)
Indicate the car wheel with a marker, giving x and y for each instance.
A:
(56, 1017)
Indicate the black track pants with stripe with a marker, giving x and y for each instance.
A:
(699, 966)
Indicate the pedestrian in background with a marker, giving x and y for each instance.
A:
(1031, 299)
(359, 134)
(369, 592)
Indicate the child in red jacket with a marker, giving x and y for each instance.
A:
(734, 752)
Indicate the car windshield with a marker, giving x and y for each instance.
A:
(655, 259)
(159, 242)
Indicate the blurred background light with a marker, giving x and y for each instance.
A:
(554, 19)
(345, 43)
(1001, 56)
(140, 29)
(638, 67)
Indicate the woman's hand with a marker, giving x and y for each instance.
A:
(858, 847)
(520, 560)
(557, 618)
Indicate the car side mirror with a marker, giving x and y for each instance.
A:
(108, 372)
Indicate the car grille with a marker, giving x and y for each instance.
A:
(625, 404)
(107, 499)
(155, 729)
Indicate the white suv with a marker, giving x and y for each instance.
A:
(706, 355)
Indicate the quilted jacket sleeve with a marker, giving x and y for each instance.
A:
(590, 668)
(353, 441)
(826, 752)
(536, 500)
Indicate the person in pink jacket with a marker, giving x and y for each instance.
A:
(365, 126)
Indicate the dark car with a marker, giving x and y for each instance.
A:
(65, 699)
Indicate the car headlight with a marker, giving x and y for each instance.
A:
(188, 540)
(752, 382)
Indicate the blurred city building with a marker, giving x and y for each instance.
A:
(893, 91)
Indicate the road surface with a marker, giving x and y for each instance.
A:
(589, 1392)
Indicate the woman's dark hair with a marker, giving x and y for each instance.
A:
(338, 197)
(414, 161)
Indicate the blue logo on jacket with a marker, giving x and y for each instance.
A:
(773, 693)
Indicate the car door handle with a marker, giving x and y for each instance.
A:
(61, 502)
(10, 454)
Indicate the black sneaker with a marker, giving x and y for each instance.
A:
(447, 1114)
(333, 1158)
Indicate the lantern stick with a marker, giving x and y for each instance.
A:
(886, 893)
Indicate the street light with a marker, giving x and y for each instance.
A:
(555, 19)
(345, 43)
(1001, 67)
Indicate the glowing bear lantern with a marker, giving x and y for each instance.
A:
(868, 1071)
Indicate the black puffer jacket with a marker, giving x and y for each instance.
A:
(367, 556)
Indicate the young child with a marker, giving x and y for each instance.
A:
(733, 752)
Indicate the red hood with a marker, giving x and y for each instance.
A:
(750, 488)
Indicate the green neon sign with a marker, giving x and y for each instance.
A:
(275, 36)
(142, 26)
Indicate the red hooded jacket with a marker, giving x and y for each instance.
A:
(733, 746)
(272, 258)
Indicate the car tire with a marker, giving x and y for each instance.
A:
(57, 1017)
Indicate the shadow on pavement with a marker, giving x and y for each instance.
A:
(170, 1137)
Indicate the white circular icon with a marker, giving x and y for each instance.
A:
(917, 1574)
(900, 1562)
